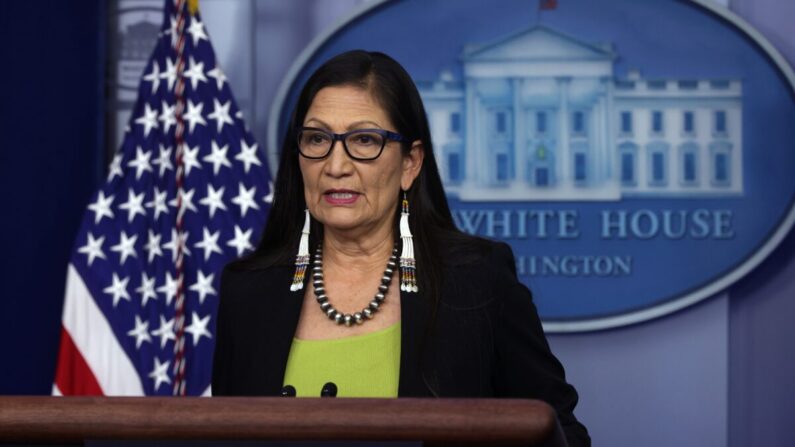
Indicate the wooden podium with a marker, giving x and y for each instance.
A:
(74, 420)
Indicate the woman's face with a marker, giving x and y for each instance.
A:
(349, 195)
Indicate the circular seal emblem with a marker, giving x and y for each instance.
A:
(634, 169)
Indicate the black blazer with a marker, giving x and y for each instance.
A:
(485, 340)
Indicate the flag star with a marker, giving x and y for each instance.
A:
(196, 30)
(165, 331)
(171, 72)
(148, 119)
(190, 158)
(269, 197)
(218, 157)
(221, 114)
(115, 167)
(242, 240)
(163, 161)
(203, 285)
(160, 373)
(140, 332)
(146, 289)
(180, 239)
(195, 73)
(152, 246)
(153, 76)
(125, 247)
(219, 76)
(198, 327)
(168, 116)
(93, 249)
(141, 162)
(245, 199)
(169, 288)
(186, 204)
(213, 199)
(194, 115)
(118, 289)
(133, 205)
(101, 207)
(248, 155)
(172, 30)
(158, 202)
(209, 243)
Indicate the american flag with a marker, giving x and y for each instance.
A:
(187, 192)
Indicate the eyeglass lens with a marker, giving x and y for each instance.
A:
(360, 144)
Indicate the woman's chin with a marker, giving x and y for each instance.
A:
(342, 220)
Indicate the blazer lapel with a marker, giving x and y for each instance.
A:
(414, 315)
(285, 309)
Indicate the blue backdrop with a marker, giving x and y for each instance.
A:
(51, 161)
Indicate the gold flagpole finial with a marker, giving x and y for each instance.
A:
(193, 7)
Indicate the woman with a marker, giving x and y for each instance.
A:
(358, 197)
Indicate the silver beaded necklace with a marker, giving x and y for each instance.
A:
(358, 317)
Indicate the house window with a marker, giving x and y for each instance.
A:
(579, 122)
(688, 125)
(656, 85)
(626, 122)
(658, 163)
(541, 122)
(627, 168)
(628, 159)
(656, 121)
(502, 167)
(455, 122)
(658, 167)
(720, 153)
(721, 168)
(542, 177)
(502, 122)
(688, 85)
(689, 171)
(454, 166)
(720, 121)
(579, 167)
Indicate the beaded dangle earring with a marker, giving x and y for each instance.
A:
(302, 259)
(408, 265)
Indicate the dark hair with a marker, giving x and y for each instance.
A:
(431, 222)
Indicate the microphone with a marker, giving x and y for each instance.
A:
(288, 391)
(329, 390)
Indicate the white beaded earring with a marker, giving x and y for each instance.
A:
(302, 259)
(408, 265)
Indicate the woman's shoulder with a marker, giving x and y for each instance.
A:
(478, 276)
(476, 253)
(239, 279)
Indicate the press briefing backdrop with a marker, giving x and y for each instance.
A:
(717, 373)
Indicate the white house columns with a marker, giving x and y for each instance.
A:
(563, 156)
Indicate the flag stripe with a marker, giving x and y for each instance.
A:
(74, 377)
(94, 338)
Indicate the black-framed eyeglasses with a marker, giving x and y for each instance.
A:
(359, 144)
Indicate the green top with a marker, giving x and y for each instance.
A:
(364, 365)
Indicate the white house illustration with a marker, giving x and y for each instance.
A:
(540, 116)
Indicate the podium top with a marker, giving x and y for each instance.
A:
(433, 421)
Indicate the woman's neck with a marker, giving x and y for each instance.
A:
(357, 253)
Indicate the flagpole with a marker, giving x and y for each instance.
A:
(179, 317)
